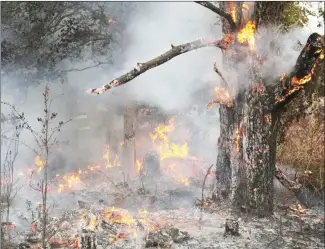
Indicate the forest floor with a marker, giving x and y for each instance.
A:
(136, 219)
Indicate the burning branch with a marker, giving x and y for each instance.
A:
(170, 54)
(221, 97)
(307, 61)
(220, 12)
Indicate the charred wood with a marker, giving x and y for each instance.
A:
(231, 227)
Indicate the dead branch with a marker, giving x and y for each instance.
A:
(202, 195)
(203, 185)
(220, 12)
(170, 54)
(296, 188)
(215, 68)
(84, 68)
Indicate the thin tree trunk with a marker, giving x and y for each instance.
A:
(129, 159)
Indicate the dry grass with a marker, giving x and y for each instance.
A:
(303, 147)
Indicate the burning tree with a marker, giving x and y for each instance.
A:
(248, 115)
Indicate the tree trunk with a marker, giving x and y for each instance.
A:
(129, 152)
(246, 155)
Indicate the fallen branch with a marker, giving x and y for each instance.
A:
(220, 12)
(167, 56)
(296, 188)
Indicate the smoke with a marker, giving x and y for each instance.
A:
(182, 84)
(174, 86)
(281, 50)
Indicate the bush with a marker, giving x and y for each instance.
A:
(303, 147)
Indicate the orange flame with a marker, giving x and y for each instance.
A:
(283, 76)
(139, 166)
(237, 138)
(233, 11)
(165, 148)
(246, 35)
(245, 6)
(296, 83)
(106, 157)
(39, 163)
(116, 215)
(222, 97)
(185, 181)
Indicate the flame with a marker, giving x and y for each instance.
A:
(185, 181)
(39, 163)
(296, 83)
(222, 97)
(165, 148)
(160, 131)
(299, 209)
(111, 20)
(173, 151)
(226, 41)
(283, 76)
(245, 6)
(321, 56)
(237, 138)
(233, 11)
(143, 211)
(120, 216)
(92, 168)
(69, 180)
(106, 157)
(246, 35)
(139, 166)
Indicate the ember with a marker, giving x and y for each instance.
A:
(39, 163)
(222, 97)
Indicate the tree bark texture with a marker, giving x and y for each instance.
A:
(88, 240)
(247, 144)
(129, 152)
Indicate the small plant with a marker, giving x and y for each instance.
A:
(45, 140)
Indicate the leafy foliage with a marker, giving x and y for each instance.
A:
(37, 36)
(296, 14)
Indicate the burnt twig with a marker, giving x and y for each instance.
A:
(202, 196)
(215, 68)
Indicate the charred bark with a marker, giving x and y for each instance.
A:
(247, 144)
